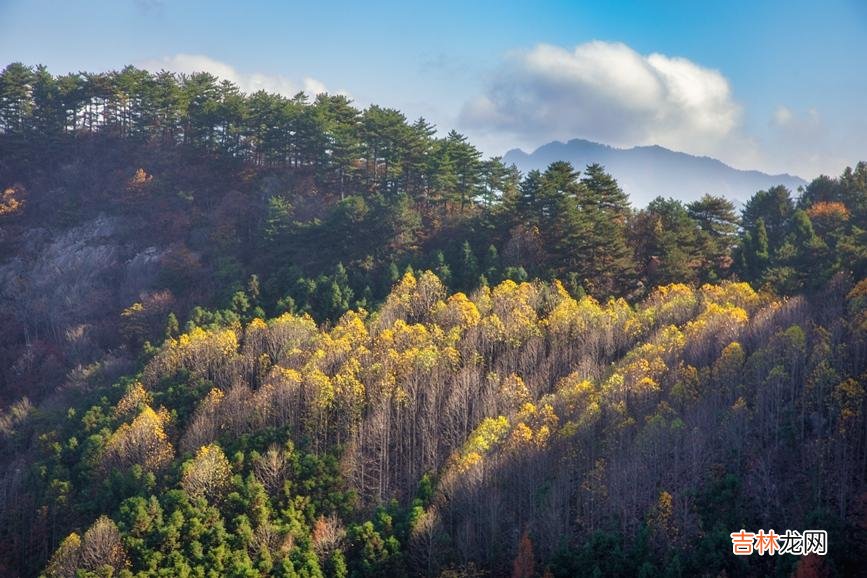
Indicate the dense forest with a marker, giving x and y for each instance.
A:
(247, 335)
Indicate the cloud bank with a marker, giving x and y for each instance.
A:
(608, 92)
(247, 82)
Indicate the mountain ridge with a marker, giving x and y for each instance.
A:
(648, 171)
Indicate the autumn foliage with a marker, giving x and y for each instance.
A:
(533, 408)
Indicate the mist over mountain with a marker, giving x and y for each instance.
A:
(646, 172)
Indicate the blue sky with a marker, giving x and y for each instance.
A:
(777, 86)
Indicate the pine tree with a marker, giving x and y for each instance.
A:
(172, 327)
(603, 192)
(467, 164)
(756, 250)
(610, 261)
(813, 269)
(718, 224)
(667, 242)
(468, 268)
(563, 226)
(15, 98)
(775, 208)
(529, 203)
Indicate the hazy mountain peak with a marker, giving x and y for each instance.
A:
(646, 172)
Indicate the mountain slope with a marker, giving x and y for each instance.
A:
(434, 431)
(646, 172)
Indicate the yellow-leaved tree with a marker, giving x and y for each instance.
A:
(99, 552)
(208, 474)
(142, 442)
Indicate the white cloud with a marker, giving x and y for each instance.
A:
(608, 92)
(247, 82)
(782, 115)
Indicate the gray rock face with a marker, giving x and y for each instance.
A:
(60, 282)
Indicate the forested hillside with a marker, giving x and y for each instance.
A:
(250, 335)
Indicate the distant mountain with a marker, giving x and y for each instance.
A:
(646, 172)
